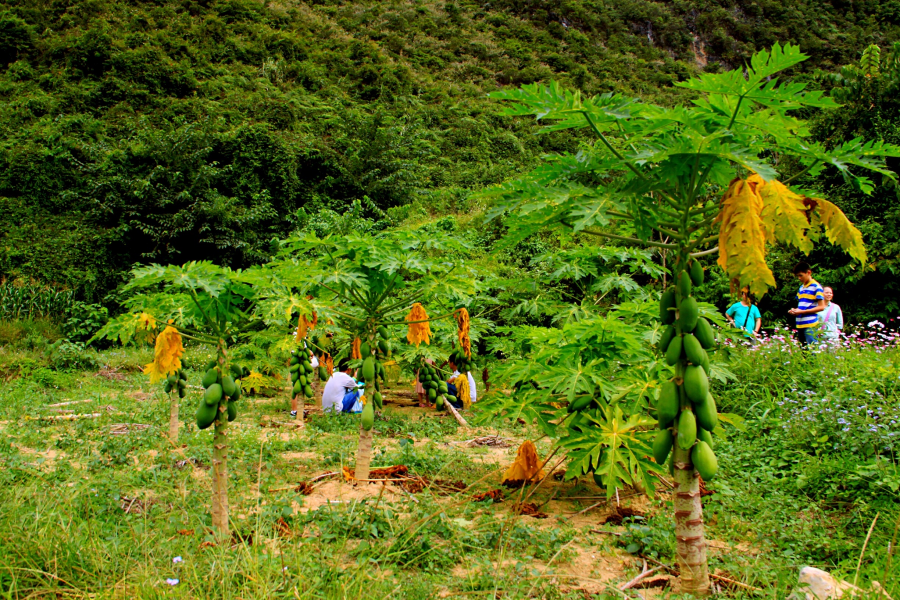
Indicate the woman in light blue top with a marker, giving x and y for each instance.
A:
(745, 315)
(831, 320)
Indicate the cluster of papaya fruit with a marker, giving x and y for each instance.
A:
(685, 400)
(462, 362)
(435, 387)
(373, 373)
(177, 381)
(220, 387)
(301, 370)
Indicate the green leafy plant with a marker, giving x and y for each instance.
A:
(367, 283)
(681, 179)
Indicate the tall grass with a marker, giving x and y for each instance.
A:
(21, 300)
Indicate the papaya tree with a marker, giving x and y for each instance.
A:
(711, 177)
(371, 285)
(208, 304)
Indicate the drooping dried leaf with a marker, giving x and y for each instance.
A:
(838, 228)
(355, 352)
(527, 466)
(742, 237)
(419, 329)
(784, 215)
(462, 390)
(302, 329)
(166, 355)
(462, 322)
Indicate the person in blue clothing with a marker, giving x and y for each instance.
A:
(745, 314)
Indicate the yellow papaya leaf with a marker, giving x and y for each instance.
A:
(742, 237)
(166, 355)
(526, 468)
(784, 215)
(838, 228)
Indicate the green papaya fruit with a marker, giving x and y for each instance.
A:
(307, 368)
(365, 350)
(172, 379)
(667, 405)
(667, 336)
(379, 370)
(303, 380)
(704, 333)
(673, 352)
(298, 387)
(323, 374)
(211, 376)
(707, 414)
(697, 272)
(232, 411)
(368, 368)
(182, 384)
(182, 392)
(181, 374)
(705, 436)
(705, 363)
(384, 346)
(662, 445)
(379, 400)
(236, 371)
(213, 395)
(206, 414)
(295, 378)
(383, 333)
(684, 284)
(579, 404)
(667, 306)
(696, 383)
(228, 386)
(211, 364)
(450, 398)
(687, 429)
(295, 360)
(692, 349)
(688, 315)
(294, 368)
(704, 460)
(368, 416)
(167, 386)
(439, 403)
(442, 387)
(237, 392)
(308, 391)
(431, 394)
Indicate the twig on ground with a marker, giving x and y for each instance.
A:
(323, 476)
(70, 402)
(69, 417)
(588, 508)
(644, 573)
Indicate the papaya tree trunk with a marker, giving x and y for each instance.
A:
(174, 401)
(690, 545)
(363, 454)
(220, 461)
(301, 403)
(690, 541)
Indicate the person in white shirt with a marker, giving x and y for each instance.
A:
(315, 364)
(473, 395)
(340, 393)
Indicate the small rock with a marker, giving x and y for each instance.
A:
(816, 584)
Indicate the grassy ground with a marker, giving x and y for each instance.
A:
(106, 507)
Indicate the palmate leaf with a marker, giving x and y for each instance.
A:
(784, 216)
(742, 237)
(613, 446)
(838, 229)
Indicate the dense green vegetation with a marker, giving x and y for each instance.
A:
(165, 131)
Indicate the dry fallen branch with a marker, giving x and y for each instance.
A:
(69, 403)
(68, 417)
(494, 441)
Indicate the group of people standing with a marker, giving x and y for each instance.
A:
(818, 319)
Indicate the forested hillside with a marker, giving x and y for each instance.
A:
(171, 131)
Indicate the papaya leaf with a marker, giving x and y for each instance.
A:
(784, 216)
(742, 237)
(838, 229)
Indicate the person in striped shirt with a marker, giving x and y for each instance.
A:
(810, 301)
